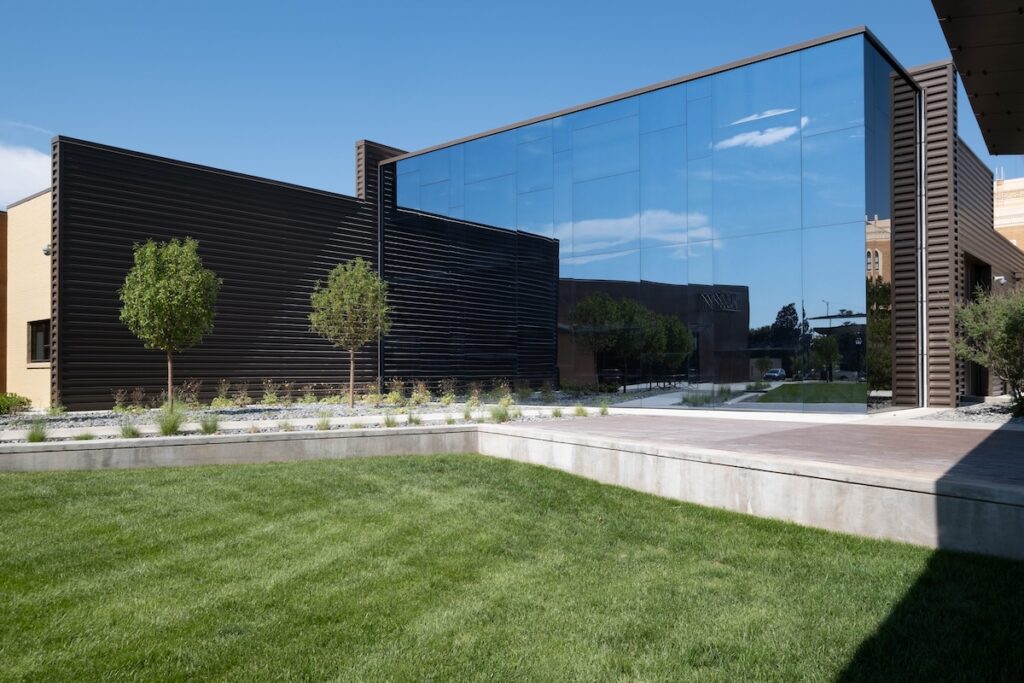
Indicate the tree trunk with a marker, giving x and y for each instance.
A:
(170, 382)
(351, 378)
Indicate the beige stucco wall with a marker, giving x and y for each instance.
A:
(1008, 209)
(28, 295)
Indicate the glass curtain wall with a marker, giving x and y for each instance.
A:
(713, 235)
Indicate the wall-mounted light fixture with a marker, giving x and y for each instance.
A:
(1001, 279)
(46, 250)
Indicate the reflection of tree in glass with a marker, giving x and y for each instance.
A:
(879, 352)
(624, 330)
(826, 353)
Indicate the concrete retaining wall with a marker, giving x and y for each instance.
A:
(235, 448)
(918, 510)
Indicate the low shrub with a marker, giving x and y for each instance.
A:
(56, 410)
(241, 395)
(130, 431)
(357, 425)
(84, 436)
(169, 422)
(323, 424)
(547, 392)
(120, 400)
(209, 424)
(139, 398)
(420, 394)
(450, 420)
(500, 388)
(579, 410)
(270, 396)
(390, 421)
(467, 413)
(524, 392)
(285, 426)
(557, 412)
(219, 403)
(188, 393)
(604, 408)
(499, 413)
(223, 389)
(308, 394)
(373, 398)
(287, 393)
(448, 389)
(36, 432)
(414, 419)
(396, 391)
(13, 403)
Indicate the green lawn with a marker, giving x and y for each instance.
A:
(813, 392)
(461, 567)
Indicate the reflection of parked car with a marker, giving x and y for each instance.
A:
(775, 375)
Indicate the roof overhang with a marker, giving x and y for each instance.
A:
(986, 40)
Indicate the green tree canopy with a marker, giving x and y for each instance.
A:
(631, 331)
(785, 331)
(826, 351)
(169, 299)
(879, 336)
(351, 310)
(990, 332)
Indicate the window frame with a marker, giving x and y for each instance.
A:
(47, 353)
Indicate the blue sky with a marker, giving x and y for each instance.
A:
(284, 90)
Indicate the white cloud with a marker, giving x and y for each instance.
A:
(766, 114)
(27, 126)
(759, 138)
(23, 172)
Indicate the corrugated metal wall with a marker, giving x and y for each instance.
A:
(470, 301)
(978, 239)
(958, 189)
(268, 241)
(904, 237)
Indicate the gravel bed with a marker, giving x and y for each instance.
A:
(998, 413)
(293, 411)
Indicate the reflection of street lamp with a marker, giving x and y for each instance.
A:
(829, 317)
(859, 342)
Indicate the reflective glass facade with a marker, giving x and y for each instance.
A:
(711, 234)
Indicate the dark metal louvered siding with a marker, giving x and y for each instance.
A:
(958, 215)
(269, 242)
(904, 235)
(469, 301)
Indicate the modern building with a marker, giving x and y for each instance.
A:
(745, 204)
(1008, 207)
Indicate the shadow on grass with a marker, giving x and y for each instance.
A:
(963, 619)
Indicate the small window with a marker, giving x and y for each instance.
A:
(39, 341)
(867, 260)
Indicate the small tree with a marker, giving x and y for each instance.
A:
(990, 332)
(168, 299)
(826, 350)
(350, 310)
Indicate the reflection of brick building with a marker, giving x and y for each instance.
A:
(717, 315)
(878, 249)
(1008, 209)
